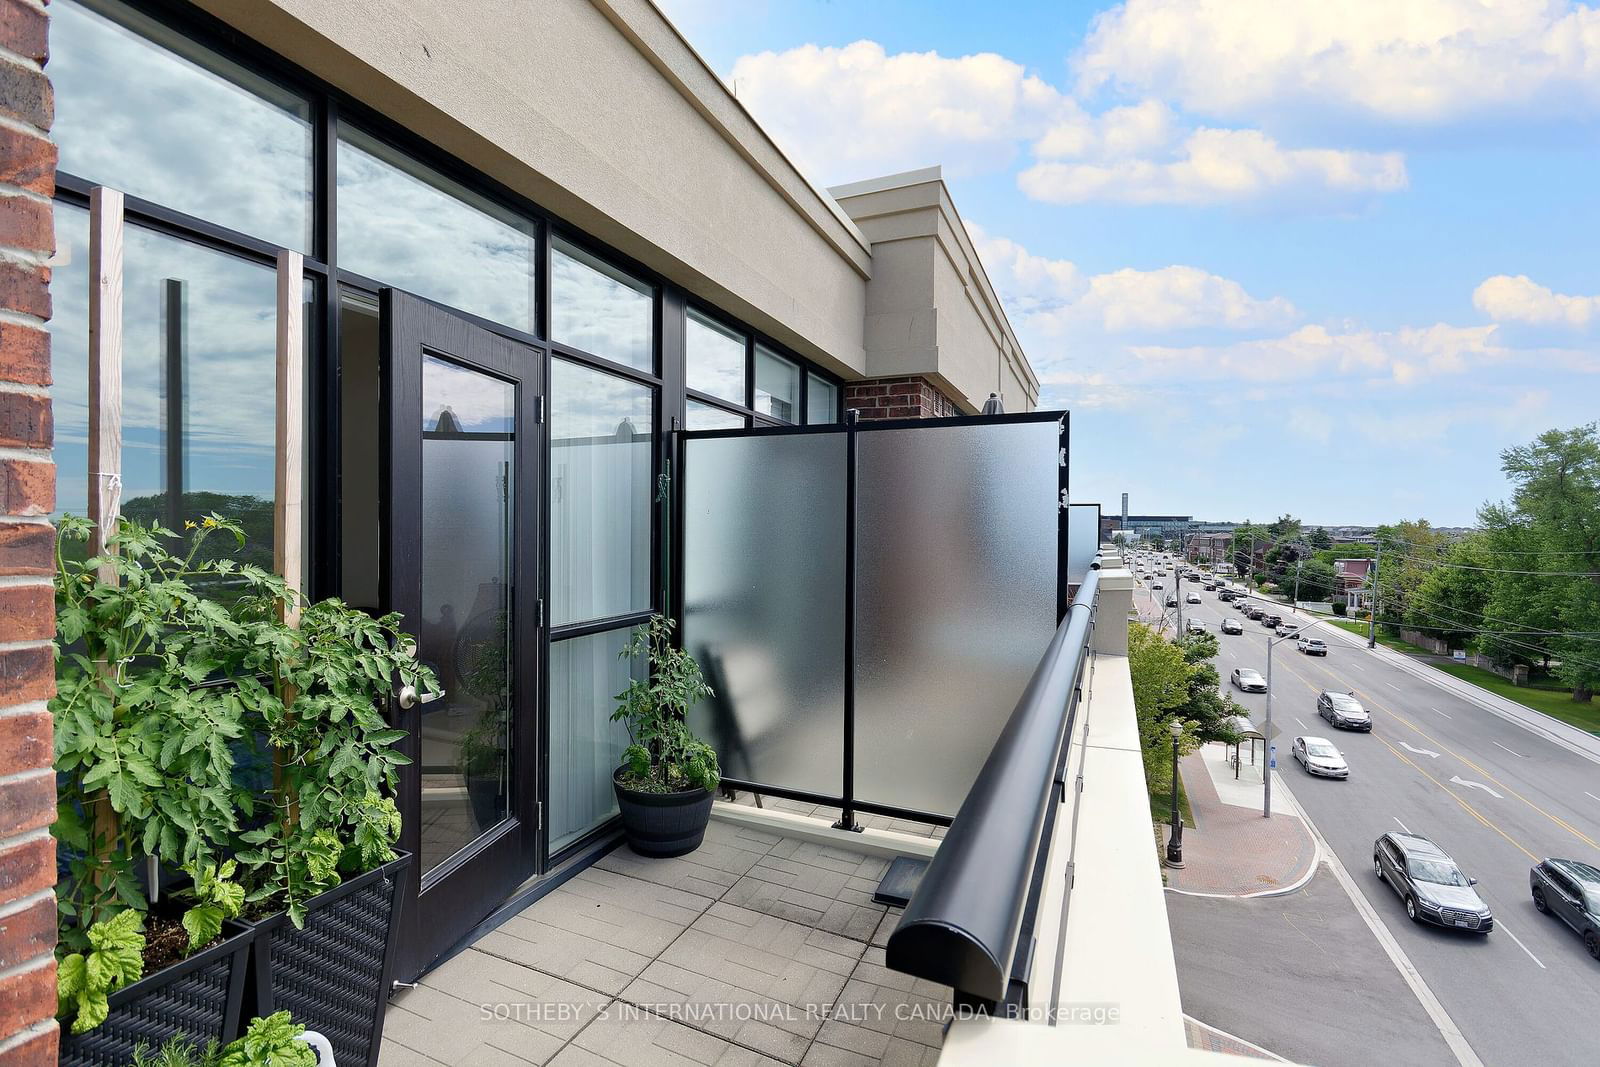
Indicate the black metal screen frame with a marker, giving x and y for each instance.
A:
(852, 426)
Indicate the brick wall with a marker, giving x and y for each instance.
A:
(898, 398)
(27, 495)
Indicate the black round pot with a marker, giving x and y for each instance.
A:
(663, 824)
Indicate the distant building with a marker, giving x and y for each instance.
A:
(1351, 576)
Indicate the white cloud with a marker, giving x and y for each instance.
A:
(1521, 299)
(854, 112)
(1416, 61)
(1216, 166)
(1406, 356)
(1053, 297)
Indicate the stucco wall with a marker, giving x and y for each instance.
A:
(930, 308)
(599, 111)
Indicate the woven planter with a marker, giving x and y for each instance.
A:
(662, 824)
(333, 975)
(199, 997)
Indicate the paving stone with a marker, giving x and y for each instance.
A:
(600, 929)
(394, 1054)
(886, 1016)
(886, 926)
(751, 978)
(855, 916)
(478, 1008)
(629, 1037)
(728, 853)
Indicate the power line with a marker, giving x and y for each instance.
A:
(1500, 570)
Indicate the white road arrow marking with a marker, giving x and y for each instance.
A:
(1475, 785)
(1420, 751)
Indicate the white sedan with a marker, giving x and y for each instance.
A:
(1248, 680)
(1193, 598)
(1318, 756)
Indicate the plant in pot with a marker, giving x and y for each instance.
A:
(144, 754)
(481, 751)
(325, 883)
(668, 775)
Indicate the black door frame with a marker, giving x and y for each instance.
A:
(454, 897)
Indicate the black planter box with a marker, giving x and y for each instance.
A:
(333, 975)
(199, 997)
(663, 824)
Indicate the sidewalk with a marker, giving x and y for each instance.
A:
(1232, 851)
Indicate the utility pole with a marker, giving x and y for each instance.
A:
(1294, 605)
(1372, 617)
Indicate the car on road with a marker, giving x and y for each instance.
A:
(1312, 646)
(1255, 611)
(1570, 890)
(1156, 586)
(1318, 756)
(1210, 587)
(1226, 596)
(1241, 604)
(1248, 680)
(1273, 619)
(1434, 889)
(1148, 577)
(1285, 629)
(1266, 620)
(1192, 598)
(1232, 626)
(1344, 711)
(1195, 626)
(1172, 601)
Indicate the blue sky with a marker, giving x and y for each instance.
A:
(1273, 255)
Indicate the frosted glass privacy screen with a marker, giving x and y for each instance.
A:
(1083, 540)
(763, 603)
(955, 599)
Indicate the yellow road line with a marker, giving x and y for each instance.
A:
(1375, 702)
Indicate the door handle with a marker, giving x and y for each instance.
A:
(410, 698)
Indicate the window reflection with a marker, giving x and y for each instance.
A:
(777, 386)
(714, 358)
(468, 484)
(822, 400)
(700, 416)
(600, 309)
(141, 109)
(404, 225)
(199, 360)
(586, 674)
(600, 494)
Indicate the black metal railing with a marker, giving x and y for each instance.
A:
(970, 923)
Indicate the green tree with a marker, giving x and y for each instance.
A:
(1320, 538)
(1554, 515)
(1175, 681)
(1451, 600)
(1411, 549)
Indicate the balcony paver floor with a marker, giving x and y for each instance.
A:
(754, 949)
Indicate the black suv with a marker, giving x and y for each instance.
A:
(1570, 890)
(1430, 883)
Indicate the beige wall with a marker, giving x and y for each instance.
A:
(930, 307)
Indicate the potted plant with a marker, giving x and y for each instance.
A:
(272, 1041)
(668, 775)
(144, 755)
(324, 881)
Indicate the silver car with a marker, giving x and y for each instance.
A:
(1248, 680)
(1318, 756)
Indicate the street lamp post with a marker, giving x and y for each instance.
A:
(1266, 773)
(1175, 839)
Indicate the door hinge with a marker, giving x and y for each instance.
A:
(538, 612)
(538, 411)
(538, 815)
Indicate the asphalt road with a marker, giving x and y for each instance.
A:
(1495, 796)
(1300, 975)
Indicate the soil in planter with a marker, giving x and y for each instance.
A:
(166, 942)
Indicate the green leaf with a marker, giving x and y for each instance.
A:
(203, 923)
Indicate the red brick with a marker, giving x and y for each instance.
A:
(25, 222)
(27, 674)
(25, 742)
(25, 420)
(28, 933)
(27, 868)
(26, 998)
(25, 288)
(27, 161)
(25, 30)
(26, 94)
(24, 352)
(27, 613)
(38, 1050)
(27, 804)
(27, 487)
(27, 548)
